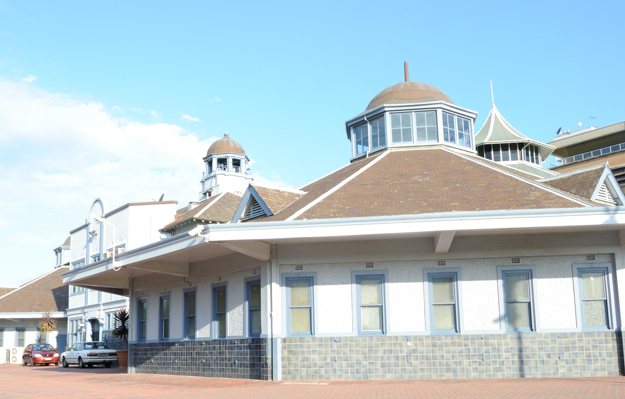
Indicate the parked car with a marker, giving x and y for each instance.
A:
(89, 353)
(40, 354)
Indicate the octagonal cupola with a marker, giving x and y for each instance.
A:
(410, 114)
(226, 168)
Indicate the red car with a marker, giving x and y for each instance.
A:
(40, 354)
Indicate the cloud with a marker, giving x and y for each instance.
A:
(136, 110)
(216, 100)
(29, 79)
(189, 118)
(155, 114)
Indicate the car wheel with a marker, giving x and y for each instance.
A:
(80, 363)
(31, 362)
(56, 364)
(107, 364)
(24, 362)
(65, 364)
(47, 364)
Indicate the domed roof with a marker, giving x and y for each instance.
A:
(225, 144)
(408, 93)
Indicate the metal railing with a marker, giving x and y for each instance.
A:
(587, 155)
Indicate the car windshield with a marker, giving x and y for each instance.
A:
(96, 345)
(45, 347)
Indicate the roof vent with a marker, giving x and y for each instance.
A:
(299, 267)
(604, 195)
(590, 257)
(253, 210)
(369, 265)
(516, 260)
(441, 263)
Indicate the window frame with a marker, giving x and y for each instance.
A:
(286, 280)
(530, 278)
(185, 328)
(248, 306)
(160, 316)
(1, 337)
(17, 337)
(456, 274)
(416, 127)
(215, 320)
(608, 282)
(383, 124)
(357, 276)
(412, 127)
(355, 140)
(454, 130)
(139, 329)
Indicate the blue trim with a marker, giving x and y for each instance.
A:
(606, 289)
(356, 279)
(185, 328)
(287, 284)
(454, 276)
(167, 296)
(249, 282)
(530, 284)
(139, 301)
(221, 287)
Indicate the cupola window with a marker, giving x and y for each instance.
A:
(236, 165)
(449, 128)
(378, 132)
(210, 165)
(464, 132)
(361, 138)
(401, 126)
(426, 126)
(222, 164)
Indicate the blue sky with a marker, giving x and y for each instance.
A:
(121, 99)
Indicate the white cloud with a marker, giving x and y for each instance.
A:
(155, 114)
(136, 110)
(189, 118)
(57, 154)
(216, 100)
(29, 79)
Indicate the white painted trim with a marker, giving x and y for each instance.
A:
(210, 204)
(30, 315)
(337, 187)
(32, 281)
(290, 190)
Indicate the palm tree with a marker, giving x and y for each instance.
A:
(121, 331)
(47, 324)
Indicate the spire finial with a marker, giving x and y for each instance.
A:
(226, 134)
(406, 70)
(492, 96)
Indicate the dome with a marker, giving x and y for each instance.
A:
(225, 145)
(408, 93)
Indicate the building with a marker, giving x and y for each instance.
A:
(591, 147)
(417, 259)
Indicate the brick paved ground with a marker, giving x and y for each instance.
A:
(50, 382)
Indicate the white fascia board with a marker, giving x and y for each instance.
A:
(30, 315)
(476, 222)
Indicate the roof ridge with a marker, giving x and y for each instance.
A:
(290, 190)
(338, 186)
(210, 204)
(560, 193)
(32, 281)
(574, 172)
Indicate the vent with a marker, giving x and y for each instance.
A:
(590, 257)
(604, 195)
(254, 272)
(516, 260)
(219, 278)
(299, 267)
(369, 265)
(440, 263)
(253, 211)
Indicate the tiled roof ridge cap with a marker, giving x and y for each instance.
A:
(546, 187)
(289, 190)
(220, 196)
(33, 280)
(575, 172)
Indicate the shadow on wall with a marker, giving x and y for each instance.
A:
(61, 297)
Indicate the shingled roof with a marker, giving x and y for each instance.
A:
(218, 209)
(424, 180)
(5, 290)
(582, 182)
(43, 294)
(275, 198)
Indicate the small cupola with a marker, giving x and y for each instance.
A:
(226, 168)
(499, 141)
(410, 114)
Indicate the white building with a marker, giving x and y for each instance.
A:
(417, 259)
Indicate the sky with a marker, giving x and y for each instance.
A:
(120, 100)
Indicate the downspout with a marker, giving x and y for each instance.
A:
(273, 313)
(131, 369)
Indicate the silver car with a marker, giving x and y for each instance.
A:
(89, 353)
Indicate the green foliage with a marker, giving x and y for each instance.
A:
(121, 331)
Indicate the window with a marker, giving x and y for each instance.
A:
(443, 302)
(593, 287)
(164, 310)
(189, 314)
(95, 258)
(518, 300)
(253, 303)
(426, 126)
(210, 165)
(370, 300)
(496, 152)
(401, 128)
(464, 132)
(299, 302)
(220, 305)
(78, 264)
(505, 155)
(143, 316)
(488, 152)
(20, 337)
(514, 156)
(378, 132)
(1, 338)
(222, 164)
(449, 128)
(361, 138)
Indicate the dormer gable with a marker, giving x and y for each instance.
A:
(260, 202)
